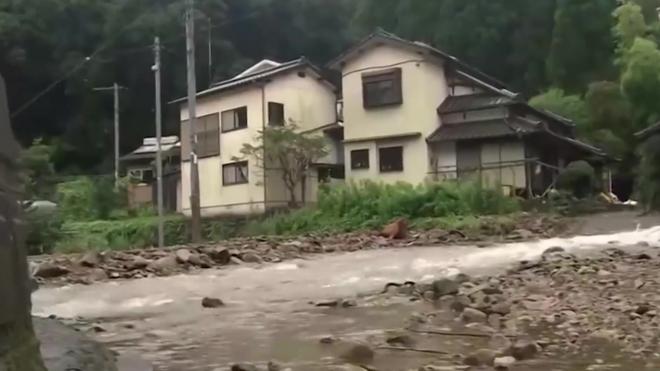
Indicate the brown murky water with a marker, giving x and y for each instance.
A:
(269, 316)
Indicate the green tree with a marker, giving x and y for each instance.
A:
(629, 26)
(582, 47)
(38, 171)
(287, 152)
(640, 80)
(649, 175)
(572, 107)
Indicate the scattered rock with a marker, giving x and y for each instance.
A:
(348, 303)
(138, 263)
(50, 270)
(471, 315)
(97, 274)
(504, 363)
(524, 349)
(643, 256)
(183, 256)
(642, 309)
(358, 354)
(553, 250)
(444, 286)
(219, 255)
(327, 340)
(199, 261)
(98, 328)
(482, 357)
(397, 230)
(244, 367)
(212, 303)
(502, 308)
(251, 257)
(91, 259)
(499, 342)
(235, 260)
(272, 366)
(400, 339)
(164, 264)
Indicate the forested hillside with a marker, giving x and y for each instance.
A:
(594, 57)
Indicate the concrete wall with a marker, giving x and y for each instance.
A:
(309, 102)
(424, 87)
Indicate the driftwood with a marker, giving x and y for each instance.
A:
(399, 349)
(455, 333)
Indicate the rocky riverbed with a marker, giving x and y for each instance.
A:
(561, 312)
(112, 265)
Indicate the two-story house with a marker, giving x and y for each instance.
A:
(233, 112)
(413, 113)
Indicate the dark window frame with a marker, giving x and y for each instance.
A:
(279, 121)
(237, 166)
(356, 164)
(236, 126)
(384, 155)
(392, 76)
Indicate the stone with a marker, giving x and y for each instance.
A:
(219, 255)
(471, 315)
(504, 363)
(328, 304)
(445, 286)
(397, 230)
(138, 262)
(97, 274)
(236, 261)
(183, 255)
(643, 256)
(495, 321)
(91, 259)
(251, 257)
(164, 264)
(244, 367)
(400, 339)
(502, 308)
(212, 303)
(553, 250)
(642, 309)
(482, 357)
(199, 261)
(50, 270)
(327, 340)
(499, 343)
(348, 303)
(523, 349)
(358, 354)
(272, 366)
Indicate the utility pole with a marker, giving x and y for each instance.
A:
(115, 88)
(192, 115)
(210, 50)
(159, 156)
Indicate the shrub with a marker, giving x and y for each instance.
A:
(649, 174)
(43, 230)
(579, 178)
(86, 198)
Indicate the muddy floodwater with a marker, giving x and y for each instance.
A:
(269, 313)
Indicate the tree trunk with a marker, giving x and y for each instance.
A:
(303, 187)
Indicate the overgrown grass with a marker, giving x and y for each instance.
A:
(369, 205)
(344, 208)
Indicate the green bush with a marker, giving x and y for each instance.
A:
(369, 205)
(649, 174)
(43, 230)
(86, 198)
(579, 178)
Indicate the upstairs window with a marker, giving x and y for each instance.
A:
(360, 159)
(275, 114)
(235, 173)
(390, 159)
(207, 129)
(382, 88)
(234, 119)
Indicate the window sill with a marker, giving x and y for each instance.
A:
(383, 105)
(391, 171)
(234, 184)
(232, 130)
(359, 168)
(202, 157)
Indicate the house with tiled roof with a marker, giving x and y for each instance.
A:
(414, 113)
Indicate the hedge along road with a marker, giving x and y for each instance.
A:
(268, 313)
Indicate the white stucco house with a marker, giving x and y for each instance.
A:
(232, 112)
(413, 113)
(405, 112)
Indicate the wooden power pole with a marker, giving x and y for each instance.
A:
(192, 115)
(159, 155)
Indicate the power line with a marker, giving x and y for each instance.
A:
(91, 57)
